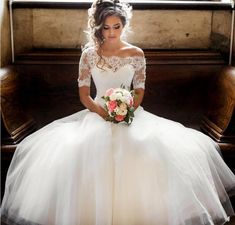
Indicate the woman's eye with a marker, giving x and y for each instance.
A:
(106, 28)
(117, 27)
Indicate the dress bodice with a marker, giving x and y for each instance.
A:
(111, 72)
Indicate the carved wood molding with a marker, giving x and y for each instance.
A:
(16, 123)
(154, 57)
(141, 5)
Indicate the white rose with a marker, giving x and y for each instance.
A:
(123, 99)
(119, 96)
(113, 96)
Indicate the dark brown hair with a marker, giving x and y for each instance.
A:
(99, 11)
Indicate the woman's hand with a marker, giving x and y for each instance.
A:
(102, 112)
(138, 97)
(89, 103)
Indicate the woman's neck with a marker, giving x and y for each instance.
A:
(111, 48)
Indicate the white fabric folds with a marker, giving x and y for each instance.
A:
(83, 170)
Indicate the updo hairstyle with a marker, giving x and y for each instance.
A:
(97, 14)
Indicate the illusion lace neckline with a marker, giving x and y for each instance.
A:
(116, 57)
(115, 62)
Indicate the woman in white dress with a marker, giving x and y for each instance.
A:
(84, 170)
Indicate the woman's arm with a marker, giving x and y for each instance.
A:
(138, 97)
(139, 76)
(89, 103)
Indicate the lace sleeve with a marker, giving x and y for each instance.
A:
(84, 78)
(140, 73)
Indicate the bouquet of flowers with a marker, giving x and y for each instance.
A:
(119, 104)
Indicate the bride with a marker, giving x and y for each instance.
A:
(85, 170)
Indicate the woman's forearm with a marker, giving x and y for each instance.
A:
(138, 97)
(89, 103)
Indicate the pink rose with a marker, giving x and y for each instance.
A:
(112, 105)
(131, 102)
(109, 92)
(119, 118)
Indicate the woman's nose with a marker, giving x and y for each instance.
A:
(111, 32)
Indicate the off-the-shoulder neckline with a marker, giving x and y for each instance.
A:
(93, 50)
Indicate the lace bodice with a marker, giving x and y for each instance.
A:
(116, 71)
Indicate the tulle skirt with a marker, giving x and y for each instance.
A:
(82, 170)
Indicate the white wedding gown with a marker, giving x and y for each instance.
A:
(83, 170)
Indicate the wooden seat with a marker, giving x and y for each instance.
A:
(219, 119)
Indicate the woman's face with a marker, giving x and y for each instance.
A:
(112, 29)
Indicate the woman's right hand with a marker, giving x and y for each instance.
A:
(89, 103)
(102, 112)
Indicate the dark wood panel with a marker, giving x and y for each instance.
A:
(219, 120)
(175, 79)
(154, 57)
(16, 123)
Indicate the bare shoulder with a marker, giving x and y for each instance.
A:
(136, 51)
(132, 50)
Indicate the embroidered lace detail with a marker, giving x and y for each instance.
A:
(84, 78)
(89, 59)
(140, 73)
